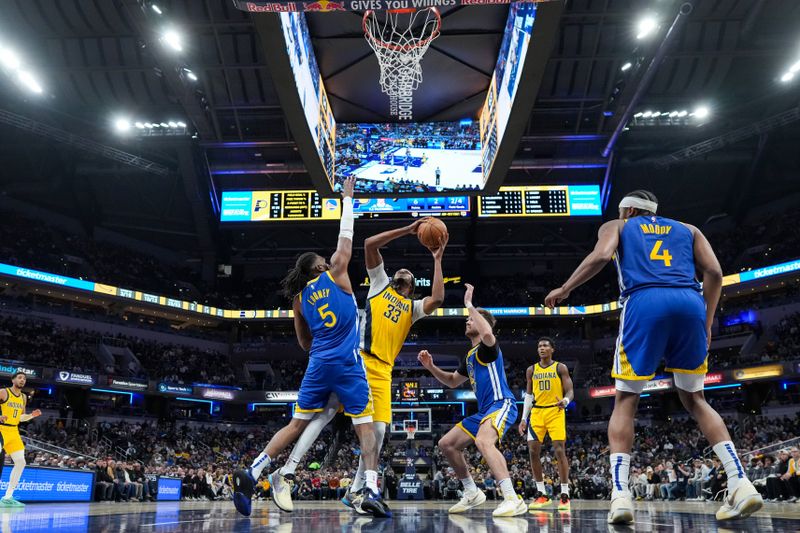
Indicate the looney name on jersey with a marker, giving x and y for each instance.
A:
(655, 229)
(315, 296)
(398, 303)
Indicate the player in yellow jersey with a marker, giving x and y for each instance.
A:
(548, 393)
(12, 412)
(388, 315)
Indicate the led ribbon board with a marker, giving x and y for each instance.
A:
(545, 200)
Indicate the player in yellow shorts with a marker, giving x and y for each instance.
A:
(548, 393)
(12, 412)
(388, 315)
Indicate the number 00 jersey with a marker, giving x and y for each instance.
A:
(12, 408)
(655, 252)
(546, 385)
(332, 317)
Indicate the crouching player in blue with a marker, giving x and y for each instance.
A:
(326, 324)
(497, 411)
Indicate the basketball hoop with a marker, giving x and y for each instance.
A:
(399, 42)
(411, 431)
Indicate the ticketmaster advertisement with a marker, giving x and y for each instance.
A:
(51, 485)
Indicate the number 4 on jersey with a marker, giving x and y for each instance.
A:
(663, 256)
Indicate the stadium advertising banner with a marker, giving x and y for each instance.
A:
(169, 489)
(260, 314)
(324, 6)
(51, 485)
(280, 396)
(758, 372)
(75, 378)
(216, 394)
(658, 385)
(410, 487)
(9, 368)
(169, 388)
(271, 206)
(128, 383)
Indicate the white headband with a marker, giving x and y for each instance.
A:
(639, 203)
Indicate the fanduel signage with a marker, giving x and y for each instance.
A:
(64, 376)
(280, 396)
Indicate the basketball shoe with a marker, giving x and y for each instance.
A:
(511, 507)
(743, 501)
(468, 501)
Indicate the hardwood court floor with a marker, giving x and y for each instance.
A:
(409, 517)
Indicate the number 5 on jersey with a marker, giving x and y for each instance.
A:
(326, 314)
(663, 256)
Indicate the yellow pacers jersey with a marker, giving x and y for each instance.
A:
(546, 385)
(388, 317)
(12, 408)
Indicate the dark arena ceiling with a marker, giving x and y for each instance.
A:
(98, 59)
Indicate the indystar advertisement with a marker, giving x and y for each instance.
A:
(9, 368)
(169, 388)
(128, 383)
(169, 489)
(64, 376)
(51, 485)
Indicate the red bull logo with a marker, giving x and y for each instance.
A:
(323, 6)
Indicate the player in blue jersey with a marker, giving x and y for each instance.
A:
(665, 315)
(326, 324)
(497, 411)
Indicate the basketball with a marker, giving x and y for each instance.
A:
(431, 232)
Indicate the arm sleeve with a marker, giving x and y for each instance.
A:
(487, 354)
(526, 411)
(418, 311)
(462, 367)
(378, 280)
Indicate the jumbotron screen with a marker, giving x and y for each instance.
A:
(419, 158)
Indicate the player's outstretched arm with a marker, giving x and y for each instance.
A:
(25, 417)
(566, 385)
(436, 299)
(373, 245)
(301, 330)
(344, 250)
(707, 263)
(450, 379)
(483, 327)
(607, 242)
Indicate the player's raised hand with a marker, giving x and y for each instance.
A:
(439, 252)
(425, 359)
(556, 296)
(348, 186)
(468, 295)
(36, 413)
(523, 427)
(412, 228)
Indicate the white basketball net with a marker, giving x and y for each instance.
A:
(399, 42)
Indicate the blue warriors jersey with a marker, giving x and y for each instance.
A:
(655, 252)
(488, 380)
(332, 317)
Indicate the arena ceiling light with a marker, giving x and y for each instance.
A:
(674, 117)
(29, 81)
(122, 125)
(157, 9)
(626, 66)
(9, 59)
(189, 74)
(646, 26)
(701, 112)
(173, 39)
(141, 128)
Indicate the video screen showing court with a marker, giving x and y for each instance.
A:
(410, 158)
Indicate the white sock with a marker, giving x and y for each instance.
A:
(16, 472)
(469, 485)
(565, 488)
(308, 437)
(508, 489)
(372, 480)
(262, 461)
(541, 488)
(360, 479)
(620, 473)
(726, 452)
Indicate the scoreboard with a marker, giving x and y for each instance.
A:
(542, 200)
(262, 206)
